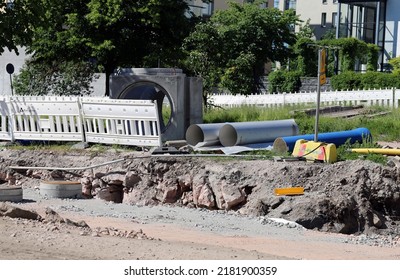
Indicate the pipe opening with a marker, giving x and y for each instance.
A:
(194, 135)
(228, 136)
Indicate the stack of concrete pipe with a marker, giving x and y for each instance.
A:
(240, 133)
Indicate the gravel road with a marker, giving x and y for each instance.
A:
(236, 237)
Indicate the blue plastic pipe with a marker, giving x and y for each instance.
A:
(338, 137)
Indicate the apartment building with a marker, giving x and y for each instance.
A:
(198, 7)
(373, 21)
(322, 15)
(223, 4)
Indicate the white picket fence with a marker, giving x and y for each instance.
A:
(380, 97)
(96, 120)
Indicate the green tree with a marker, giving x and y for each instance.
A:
(5, 32)
(13, 29)
(230, 49)
(109, 33)
(58, 78)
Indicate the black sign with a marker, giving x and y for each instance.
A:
(10, 68)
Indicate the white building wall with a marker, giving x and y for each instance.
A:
(313, 10)
(16, 60)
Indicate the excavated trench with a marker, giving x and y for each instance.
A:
(346, 197)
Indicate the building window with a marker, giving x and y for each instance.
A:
(334, 18)
(10, 4)
(324, 2)
(207, 9)
(334, 1)
(323, 19)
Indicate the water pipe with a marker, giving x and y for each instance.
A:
(242, 133)
(338, 138)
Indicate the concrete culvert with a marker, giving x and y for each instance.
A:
(13, 194)
(197, 133)
(61, 189)
(233, 134)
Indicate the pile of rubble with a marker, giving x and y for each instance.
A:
(347, 197)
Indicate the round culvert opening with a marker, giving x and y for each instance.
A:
(194, 135)
(146, 90)
(228, 136)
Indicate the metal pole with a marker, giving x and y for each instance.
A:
(11, 85)
(336, 52)
(378, 23)
(318, 97)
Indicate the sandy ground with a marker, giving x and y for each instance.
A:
(168, 233)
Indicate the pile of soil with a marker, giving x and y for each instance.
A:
(350, 197)
(138, 206)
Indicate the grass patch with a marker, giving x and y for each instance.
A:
(382, 127)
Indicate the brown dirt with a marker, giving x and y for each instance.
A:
(334, 203)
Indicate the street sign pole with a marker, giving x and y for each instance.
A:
(321, 81)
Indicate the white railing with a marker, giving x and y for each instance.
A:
(381, 97)
(117, 121)
(45, 118)
(96, 120)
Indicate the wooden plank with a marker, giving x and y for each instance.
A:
(289, 191)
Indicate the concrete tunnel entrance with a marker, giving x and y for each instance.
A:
(146, 90)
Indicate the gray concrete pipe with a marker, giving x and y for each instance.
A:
(242, 133)
(209, 133)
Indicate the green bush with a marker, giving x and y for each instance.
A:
(395, 63)
(284, 81)
(275, 80)
(346, 81)
(371, 80)
(59, 78)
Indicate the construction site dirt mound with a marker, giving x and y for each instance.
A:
(352, 198)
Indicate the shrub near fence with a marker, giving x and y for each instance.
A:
(96, 120)
(380, 97)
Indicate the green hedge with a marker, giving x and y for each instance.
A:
(352, 81)
(284, 81)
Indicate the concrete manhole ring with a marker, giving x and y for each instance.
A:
(61, 189)
(13, 194)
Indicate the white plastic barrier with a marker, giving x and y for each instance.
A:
(97, 120)
(45, 118)
(117, 121)
(5, 121)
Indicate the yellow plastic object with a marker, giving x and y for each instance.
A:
(315, 151)
(388, 152)
(289, 191)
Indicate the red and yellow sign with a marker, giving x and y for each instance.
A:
(322, 70)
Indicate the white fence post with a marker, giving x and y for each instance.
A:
(5, 121)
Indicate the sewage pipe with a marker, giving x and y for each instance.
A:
(242, 133)
(197, 133)
(338, 138)
(66, 168)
